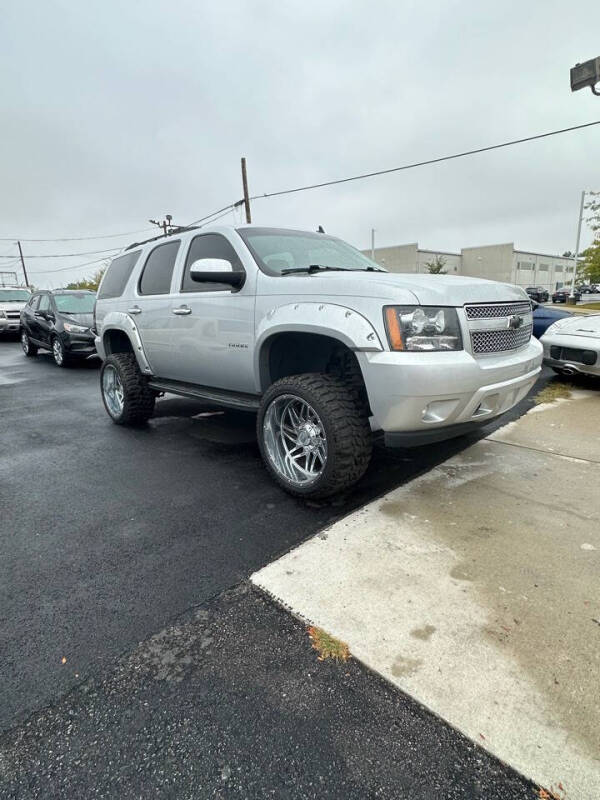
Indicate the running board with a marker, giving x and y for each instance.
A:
(220, 397)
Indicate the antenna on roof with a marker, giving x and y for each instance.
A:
(166, 225)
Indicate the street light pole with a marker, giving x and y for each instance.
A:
(572, 295)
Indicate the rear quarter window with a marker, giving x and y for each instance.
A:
(118, 273)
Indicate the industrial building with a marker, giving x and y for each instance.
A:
(497, 262)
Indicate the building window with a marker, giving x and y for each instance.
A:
(544, 267)
(526, 265)
(568, 269)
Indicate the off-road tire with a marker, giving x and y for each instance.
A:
(347, 430)
(32, 349)
(138, 401)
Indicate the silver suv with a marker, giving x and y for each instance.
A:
(326, 346)
(12, 302)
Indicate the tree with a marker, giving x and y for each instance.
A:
(593, 206)
(590, 270)
(436, 265)
(88, 283)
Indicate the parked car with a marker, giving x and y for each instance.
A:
(573, 345)
(587, 289)
(11, 303)
(562, 295)
(538, 293)
(544, 316)
(322, 343)
(59, 321)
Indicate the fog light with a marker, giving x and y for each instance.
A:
(439, 410)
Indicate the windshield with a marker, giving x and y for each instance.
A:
(278, 250)
(75, 302)
(14, 296)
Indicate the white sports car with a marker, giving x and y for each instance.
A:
(572, 345)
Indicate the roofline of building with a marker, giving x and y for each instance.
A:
(544, 255)
(473, 247)
(438, 252)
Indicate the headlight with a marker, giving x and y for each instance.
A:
(74, 328)
(423, 328)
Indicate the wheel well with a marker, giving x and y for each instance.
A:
(116, 341)
(292, 353)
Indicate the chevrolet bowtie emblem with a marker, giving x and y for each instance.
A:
(515, 321)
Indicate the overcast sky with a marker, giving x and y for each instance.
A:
(117, 112)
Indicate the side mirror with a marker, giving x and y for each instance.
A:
(216, 270)
(534, 304)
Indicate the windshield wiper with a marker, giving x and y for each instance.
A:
(312, 268)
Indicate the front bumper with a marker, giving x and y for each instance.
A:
(8, 325)
(79, 344)
(427, 395)
(566, 342)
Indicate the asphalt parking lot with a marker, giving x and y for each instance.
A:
(109, 534)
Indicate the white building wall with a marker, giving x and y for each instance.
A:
(400, 258)
(537, 269)
(496, 262)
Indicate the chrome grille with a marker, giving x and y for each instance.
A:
(500, 341)
(497, 310)
(13, 314)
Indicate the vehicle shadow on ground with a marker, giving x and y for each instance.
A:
(227, 433)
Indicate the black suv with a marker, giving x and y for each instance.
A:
(59, 321)
(538, 293)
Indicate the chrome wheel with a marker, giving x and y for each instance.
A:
(295, 440)
(112, 390)
(58, 352)
(25, 342)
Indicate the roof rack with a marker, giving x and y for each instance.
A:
(172, 232)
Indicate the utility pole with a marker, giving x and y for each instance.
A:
(246, 196)
(23, 264)
(372, 244)
(572, 295)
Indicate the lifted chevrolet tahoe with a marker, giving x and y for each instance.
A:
(326, 346)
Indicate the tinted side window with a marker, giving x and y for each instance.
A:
(158, 269)
(34, 302)
(45, 303)
(209, 245)
(117, 275)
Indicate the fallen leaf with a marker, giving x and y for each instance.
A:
(63, 660)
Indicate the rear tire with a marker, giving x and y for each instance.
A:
(30, 349)
(125, 393)
(313, 435)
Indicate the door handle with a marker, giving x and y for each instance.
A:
(182, 310)
(134, 310)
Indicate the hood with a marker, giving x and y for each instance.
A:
(432, 290)
(17, 305)
(577, 325)
(87, 320)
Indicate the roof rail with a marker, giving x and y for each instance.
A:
(172, 232)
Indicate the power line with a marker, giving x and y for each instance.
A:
(76, 238)
(214, 213)
(67, 269)
(224, 214)
(72, 255)
(425, 163)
